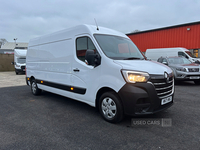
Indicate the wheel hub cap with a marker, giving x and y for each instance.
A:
(109, 108)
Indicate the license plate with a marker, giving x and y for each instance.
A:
(166, 100)
(195, 77)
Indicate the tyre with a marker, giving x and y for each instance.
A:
(16, 73)
(197, 82)
(34, 88)
(110, 107)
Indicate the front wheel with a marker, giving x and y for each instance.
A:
(110, 107)
(34, 88)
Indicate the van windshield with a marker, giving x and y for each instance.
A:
(21, 60)
(118, 48)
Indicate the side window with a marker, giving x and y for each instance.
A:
(91, 45)
(82, 44)
(181, 54)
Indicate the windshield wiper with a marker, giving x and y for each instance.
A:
(132, 58)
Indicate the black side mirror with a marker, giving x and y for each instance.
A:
(92, 58)
(12, 63)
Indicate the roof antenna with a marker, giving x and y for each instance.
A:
(96, 24)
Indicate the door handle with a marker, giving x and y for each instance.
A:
(76, 70)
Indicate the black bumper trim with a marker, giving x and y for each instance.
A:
(20, 70)
(141, 99)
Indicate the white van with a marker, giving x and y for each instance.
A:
(100, 67)
(20, 60)
(154, 54)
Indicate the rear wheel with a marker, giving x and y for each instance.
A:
(110, 107)
(197, 82)
(34, 88)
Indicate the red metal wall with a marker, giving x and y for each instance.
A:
(168, 37)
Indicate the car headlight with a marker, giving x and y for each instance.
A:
(182, 69)
(135, 76)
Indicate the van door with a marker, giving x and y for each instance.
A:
(84, 77)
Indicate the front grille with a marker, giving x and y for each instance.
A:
(162, 86)
(22, 67)
(193, 69)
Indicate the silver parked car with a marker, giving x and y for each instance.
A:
(183, 68)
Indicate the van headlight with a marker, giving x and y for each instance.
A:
(17, 65)
(135, 76)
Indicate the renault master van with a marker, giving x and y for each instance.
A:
(156, 53)
(100, 67)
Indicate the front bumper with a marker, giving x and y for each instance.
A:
(20, 70)
(187, 76)
(141, 99)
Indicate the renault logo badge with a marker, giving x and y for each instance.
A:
(166, 76)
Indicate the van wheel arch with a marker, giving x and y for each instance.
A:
(108, 91)
(32, 78)
(99, 93)
(110, 107)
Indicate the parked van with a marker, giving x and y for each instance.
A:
(20, 60)
(100, 67)
(154, 54)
